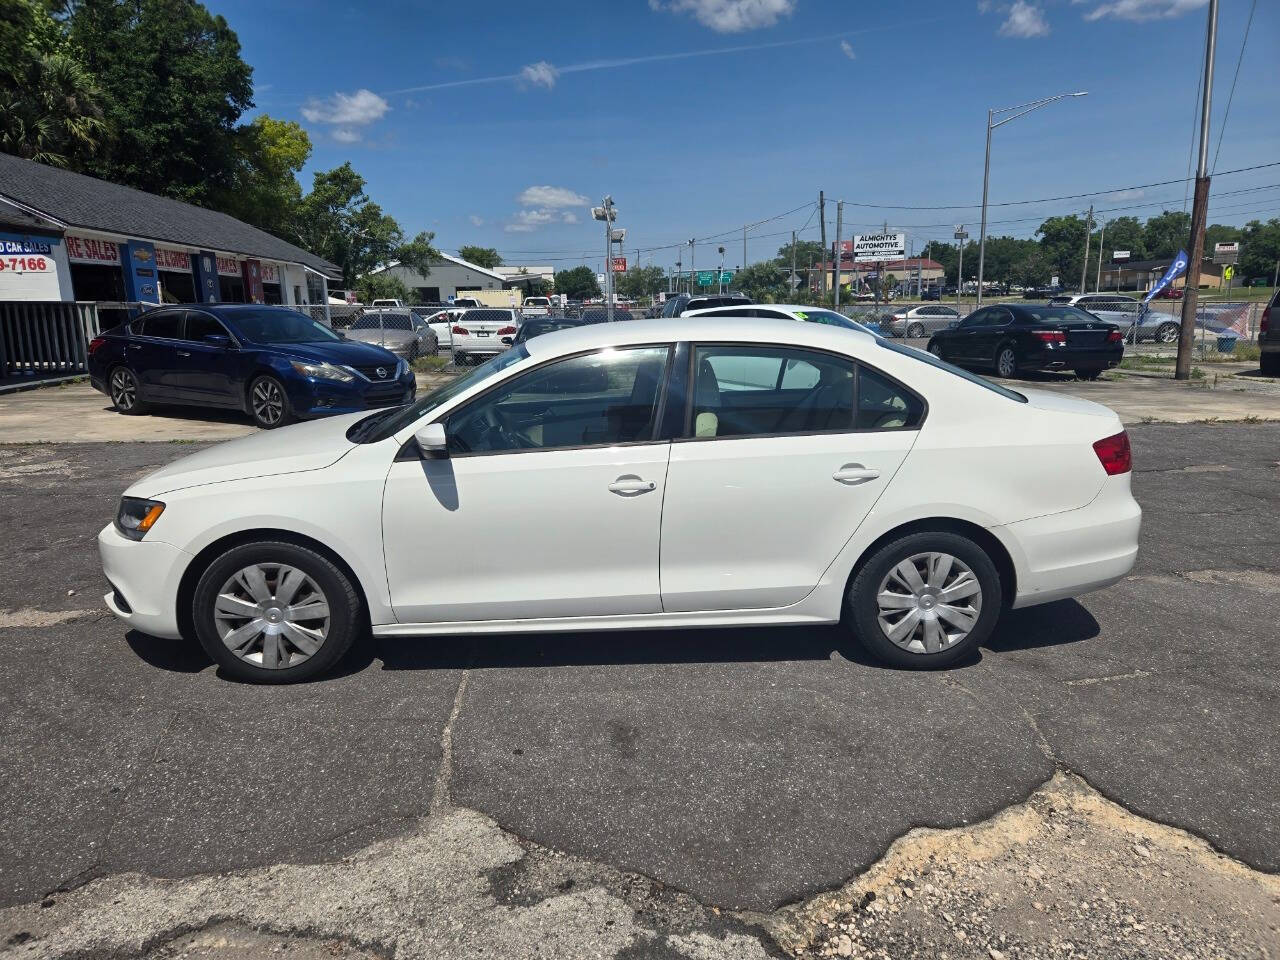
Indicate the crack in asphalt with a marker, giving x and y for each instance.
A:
(440, 795)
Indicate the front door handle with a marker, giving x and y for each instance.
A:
(629, 485)
(852, 473)
(184, 353)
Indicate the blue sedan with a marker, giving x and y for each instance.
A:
(275, 364)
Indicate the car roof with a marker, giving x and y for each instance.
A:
(704, 328)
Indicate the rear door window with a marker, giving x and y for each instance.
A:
(165, 324)
(201, 325)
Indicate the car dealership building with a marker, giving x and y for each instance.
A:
(65, 236)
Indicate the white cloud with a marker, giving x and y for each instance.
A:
(526, 221)
(476, 221)
(346, 135)
(1025, 20)
(1141, 9)
(730, 16)
(569, 218)
(986, 6)
(546, 196)
(847, 49)
(347, 109)
(540, 74)
(1134, 194)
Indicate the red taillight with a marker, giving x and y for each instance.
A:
(1265, 325)
(1115, 336)
(1114, 454)
(506, 331)
(95, 343)
(461, 331)
(1049, 336)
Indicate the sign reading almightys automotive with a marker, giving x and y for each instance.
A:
(870, 247)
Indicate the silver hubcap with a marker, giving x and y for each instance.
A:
(272, 615)
(928, 602)
(1005, 364)
(1168, 333)
(268, 402)
(124, 390)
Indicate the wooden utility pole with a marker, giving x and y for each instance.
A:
(839, 252)
(822, 219)
(1088, 235)
(1199, 208)
(791, 283)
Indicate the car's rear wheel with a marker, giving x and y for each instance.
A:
(1092, 373)
(125, 393)
(936, 349)
(1269, 364)
(1167, 332)
(268, 403)
(925, 600)
(275, 612)
(915, 330)
(1006, 361)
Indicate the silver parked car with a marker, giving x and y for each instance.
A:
(919, 321)
(402, 332)
(1138, 320)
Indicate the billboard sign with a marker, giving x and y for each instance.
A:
(619, 264)
(92, 250)
(1226, 252)
(873, 247)
(1120, 254)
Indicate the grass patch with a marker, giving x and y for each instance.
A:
(431, 364)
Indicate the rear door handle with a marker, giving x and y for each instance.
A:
(629, 485)
(852, 473)
(184, 353)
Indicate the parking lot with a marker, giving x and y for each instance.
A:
(665, 794)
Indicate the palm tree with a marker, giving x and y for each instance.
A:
(53, 113)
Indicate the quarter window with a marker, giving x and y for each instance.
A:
(749, 390)
(883, 405)
(596, 399)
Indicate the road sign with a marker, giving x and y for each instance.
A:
(1120, 254)
(961, 233)
(872, 247)
(793, 281)
(1226, 252)
(706, 278)
(619, 264)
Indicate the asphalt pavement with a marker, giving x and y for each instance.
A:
(749, 768)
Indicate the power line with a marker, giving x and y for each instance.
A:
(1231, 96)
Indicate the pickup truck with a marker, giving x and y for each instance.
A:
(388, 303)
(536, 307)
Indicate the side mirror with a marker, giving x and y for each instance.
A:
(432, 441)
(217, 340)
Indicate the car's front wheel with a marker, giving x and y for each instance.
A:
(925, 600)
(1167, 332)
(275, 612)
(915, 331)
(125, 394)
(268, 403)
(936, 349)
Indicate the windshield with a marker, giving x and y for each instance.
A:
(382, 321)
(387, 422)
(273, 326)
(933, 361)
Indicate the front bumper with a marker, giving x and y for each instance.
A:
(144, 577)
(314, 397)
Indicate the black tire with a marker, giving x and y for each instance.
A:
(936, 350)
(1269, 364)
(269, 404)
(863, 607)
(413, 352)
(1167, 333)
(344, 622)
(1093, 373)
(915, 331)
(125, 391)
(1006, 361)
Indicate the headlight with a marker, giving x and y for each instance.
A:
(323, 371)
(135, 516)
(402, 367)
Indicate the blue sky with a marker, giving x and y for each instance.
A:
(500, 124)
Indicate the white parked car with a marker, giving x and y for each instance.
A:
(441, 323)
(706, 473)
(536, 307)
(782, 311)
(482, 332)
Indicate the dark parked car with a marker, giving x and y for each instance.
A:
(1041, 293)
(684, 301)
(537, 326)
(601, 315)
(1013, 337)
(275, 364)
(1269, 337)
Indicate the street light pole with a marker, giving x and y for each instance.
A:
(693, 252)
(1023, 109)
(608, 214)
(720, 276)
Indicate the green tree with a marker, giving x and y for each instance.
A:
(1032, 269)
(1217, 233)
(382, 286)
(642, 282)
(174, 86)
(1165, 235)
(50, 105)
(1122, 233)
(486, 257)
(265, 191)
(1062, 243)
(578, 283)
(766, 281)
(1260, 250)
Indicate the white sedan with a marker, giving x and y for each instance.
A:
(701, 473)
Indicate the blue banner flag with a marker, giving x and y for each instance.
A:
(1176, 269)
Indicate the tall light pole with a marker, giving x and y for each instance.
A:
(1022, 110)
(692, 254)
(608, 213)
(720, 275)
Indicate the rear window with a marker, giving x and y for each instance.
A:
(382, 321)
(490, 316)
(928, 358)
(1057, 315)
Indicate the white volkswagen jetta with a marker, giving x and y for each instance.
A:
(711, 472)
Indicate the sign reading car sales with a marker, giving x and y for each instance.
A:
(871, 247)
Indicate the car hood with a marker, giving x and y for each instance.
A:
(350, 353)
(379, 336)
(1061, 403)
(303, 446)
